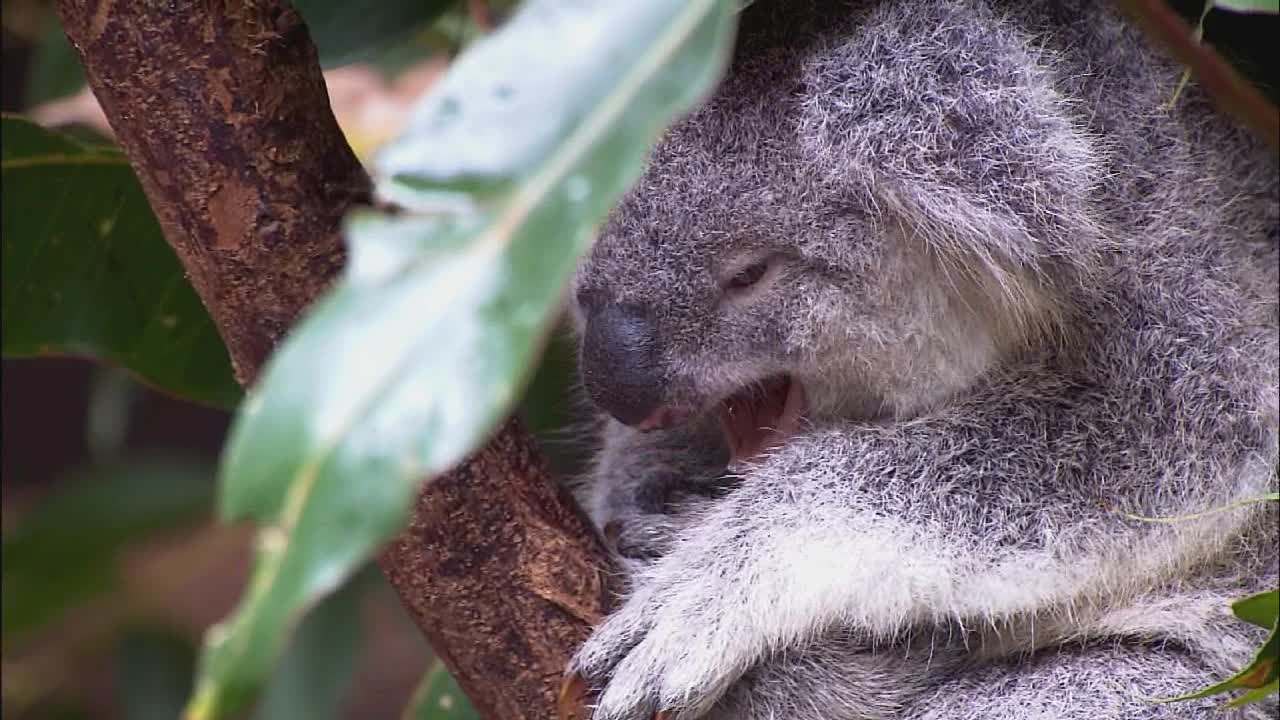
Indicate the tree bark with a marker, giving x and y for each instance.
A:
(223, 112)
(503, 575)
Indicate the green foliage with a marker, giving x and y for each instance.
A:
(1261, 609)
(87, 270)
(1249, 6)
(153, 669)
(55, 69)
(438, 697)
(81, 529)
(316, 669)
(546, 411)
(1261, 677)
(346, 32)
(505, 170)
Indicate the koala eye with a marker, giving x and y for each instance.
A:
(747, 276)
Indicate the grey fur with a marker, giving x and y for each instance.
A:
(1026, 298)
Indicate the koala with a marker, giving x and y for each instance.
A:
(898, 341)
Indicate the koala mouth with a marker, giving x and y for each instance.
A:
(761, 417)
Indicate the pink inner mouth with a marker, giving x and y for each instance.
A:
(761, 417)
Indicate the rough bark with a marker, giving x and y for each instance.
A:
(482, 532)
(223, 112)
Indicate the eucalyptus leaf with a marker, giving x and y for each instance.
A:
(87, 271)
(1249, 6)
(548, 410)
(438, 697)
(1262, 609)
(153, 667)
(55, 70)
(316, 669)
(506, 170)
(81, 528)
(1261, 676)
(345, 32)
(1256, 694)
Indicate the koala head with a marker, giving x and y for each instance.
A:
(842, 232)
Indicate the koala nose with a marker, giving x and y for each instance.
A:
(621, 362)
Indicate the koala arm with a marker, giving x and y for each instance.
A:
(1008, 506)
(639, 480)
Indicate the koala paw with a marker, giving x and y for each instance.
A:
(648, 535)
(641, 537)
(671, 651)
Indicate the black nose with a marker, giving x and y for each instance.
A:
(621, 362)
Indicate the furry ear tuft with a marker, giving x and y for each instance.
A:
(967, 142)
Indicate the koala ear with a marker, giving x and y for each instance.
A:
(948, 118)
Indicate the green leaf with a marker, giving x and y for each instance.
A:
(1261, 676)
(1249, 6)
(345, 32)
(1256, 694)
(153, 668)
(87, 271)
(81, 528)
(1261, 609)
(316, 669)
(55, 68)
(438, 697)
(547, 407)
(510, 164)
(1258, 678)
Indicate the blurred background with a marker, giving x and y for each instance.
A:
(113, 565)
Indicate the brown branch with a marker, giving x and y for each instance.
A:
(223, 112)
(481, 532)
(1232, 92)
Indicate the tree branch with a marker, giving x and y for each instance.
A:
(223, 112)
(1232, 92)
(499, 530)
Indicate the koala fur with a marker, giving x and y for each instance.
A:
(1026, 299)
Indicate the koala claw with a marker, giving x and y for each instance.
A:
(643, 538)
(612, 531)
(571, 701)
(662, 655)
